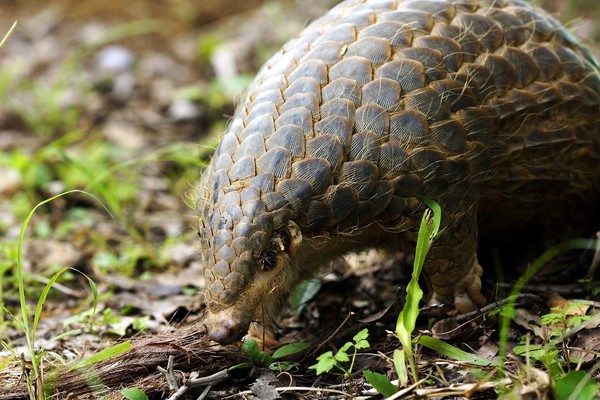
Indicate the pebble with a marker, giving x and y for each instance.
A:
(181, 110)
(10, 183)
(114, 58)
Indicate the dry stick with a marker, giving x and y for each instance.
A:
(491, 307)
(406, 391)
(208, 381)
(169, 373)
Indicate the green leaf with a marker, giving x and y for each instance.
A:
(141, 324)
(364, 334)
(289, 349)
(303, 292)
(325, 362)
(453, 352)
(428, 230)
(576, 385)
(250, 347)
(345, 347)
(505, 321)
(507, 312)
(134, 394)
(380, 382)
(103, 355)
(360, 339)
(282, 366)
(341, 356)
(245, 365)
(536, 352)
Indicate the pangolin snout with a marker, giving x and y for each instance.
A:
(225, 329)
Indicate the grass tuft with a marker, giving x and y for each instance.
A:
(29, 323)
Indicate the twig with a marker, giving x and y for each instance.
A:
(207, 381)
(169, 373)
(491, 307)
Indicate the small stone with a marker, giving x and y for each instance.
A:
(10, 182)
(184, 110)
(114, 58)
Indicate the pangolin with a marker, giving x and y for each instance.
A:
(489, 107)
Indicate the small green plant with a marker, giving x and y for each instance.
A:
(29, 323)
(561, 319)
(509, 310)
(548, 353)
(273, 361)
(428, 232)
(554, 353)
(326, 361)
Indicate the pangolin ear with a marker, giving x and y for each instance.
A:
(295, 236)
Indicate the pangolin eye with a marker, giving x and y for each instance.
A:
(269, 260)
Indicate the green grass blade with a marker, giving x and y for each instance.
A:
(94, 289)
(42, 300)
(8, 360)
(10, 31)
(453, 352)
(64, 335)
(103, 355)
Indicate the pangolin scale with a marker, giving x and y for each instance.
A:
(489, 107)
